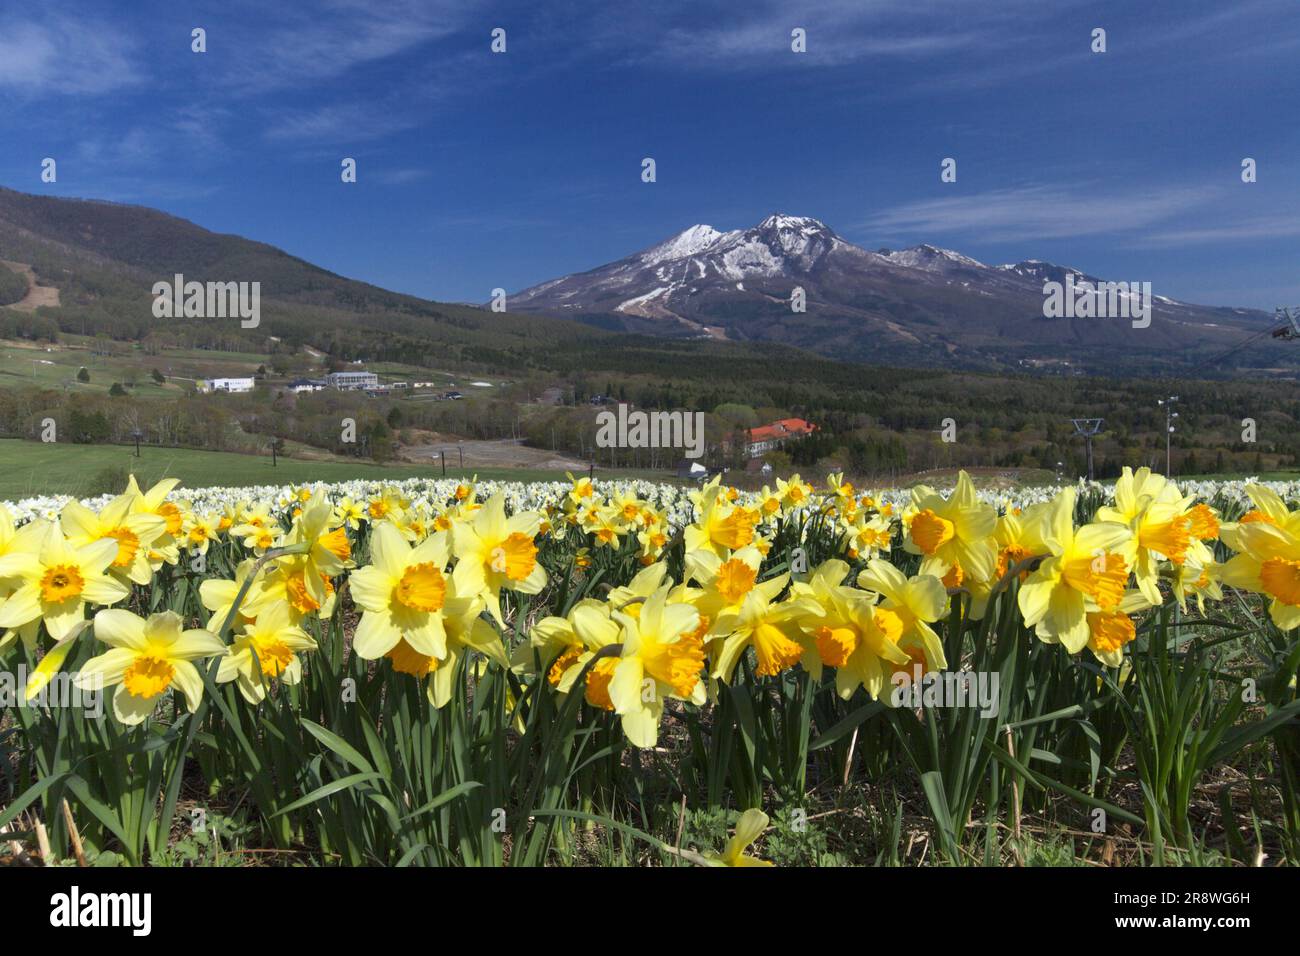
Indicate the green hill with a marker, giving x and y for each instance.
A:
(105, 257)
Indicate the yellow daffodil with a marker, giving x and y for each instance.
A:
(146, 659)
(219, 596)
(1268, 561)
(292, 580)
(651, 543)
(582, 490)
(257, 537)
(388, 505)
(794, 493)
(1109, 631)
(769, 503)
(916, 603)
(134, 534)
(661, 657)
(771, 628)
(1017, 539)
(849, 632)
(629, 597)
(494, 552)
(13, 540)
(866, 537)
(155, 502)
(199, 532)
(563, 645)
(1166, 527)
(956, 531)
(266, 650)
(328, 553)
(1200, 583)
(1085, 571)
(349, 513)
(749, 828)
(57, 582)
(402, 594)
(724, 585)
(721, 526)
(466, 632)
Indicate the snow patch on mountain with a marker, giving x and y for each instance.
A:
(932, 259)
(687, 243)
(631, 304)
(750, 258)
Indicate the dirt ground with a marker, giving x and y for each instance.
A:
(37, 295)
(502, 453)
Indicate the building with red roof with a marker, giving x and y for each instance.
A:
(764, 438)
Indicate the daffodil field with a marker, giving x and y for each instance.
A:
(435, 672)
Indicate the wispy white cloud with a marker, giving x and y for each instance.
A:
(287, 46)
(340, 122)
(1034, 212)
(200, 125)
(1215, 35)
(1245, 230)
(125, 148)
(400, 177)
(723, 37)
(43, 53)
(1153, 217)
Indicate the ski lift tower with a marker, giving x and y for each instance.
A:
(1168, 405)
(1288, 323)
(1088, 428)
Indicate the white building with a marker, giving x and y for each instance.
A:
(226, 385)
(350, 380)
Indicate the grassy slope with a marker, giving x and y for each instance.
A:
(31, 468)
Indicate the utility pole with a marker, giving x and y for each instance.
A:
(1087, 428)
(1170, 415)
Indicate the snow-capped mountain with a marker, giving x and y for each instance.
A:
(923, 304)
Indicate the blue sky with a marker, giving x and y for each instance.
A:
(479, 170)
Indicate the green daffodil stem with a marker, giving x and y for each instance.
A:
(301, 548)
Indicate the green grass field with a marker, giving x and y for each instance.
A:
(31, 468)
(23, 365)
(26, 367)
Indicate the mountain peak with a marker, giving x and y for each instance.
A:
(920, 304)
(688, 242)
(781, 222)
(801, 239)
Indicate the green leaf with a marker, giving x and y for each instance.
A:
(444, 798)
(842, 727)
(333, 787)
(28, 795)
(1239, 737)
(337, 744)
